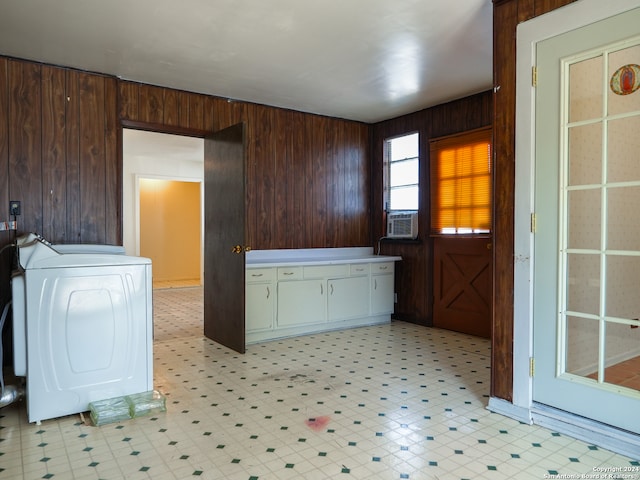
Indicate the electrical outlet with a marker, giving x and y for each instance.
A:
(14, 207)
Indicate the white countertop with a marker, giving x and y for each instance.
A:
(314, 256)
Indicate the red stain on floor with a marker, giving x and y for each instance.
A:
(317, 423)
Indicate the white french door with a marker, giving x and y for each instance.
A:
(586, 301)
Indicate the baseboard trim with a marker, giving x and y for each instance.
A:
(604, 436)
(508, 409)
(610, 438)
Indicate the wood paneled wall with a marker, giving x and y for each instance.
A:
(61, 156)
(507, 14)
(58, 138)
(414, 272)
(307, 175)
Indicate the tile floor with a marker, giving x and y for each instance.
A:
(386, 402)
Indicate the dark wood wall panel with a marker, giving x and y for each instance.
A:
(279, 178)
(92, 159)
(413, 277)
(151, 104)
(25, 142)
(262, 209)
(73, 204)
(317, 192)
(295, 186)
(94, 183)
(54, 185)
(128, 100)
(504, 156)
(4, 146)
(335, 186)
(113, 167)
(6, 258)
(357, 184)
(506, 17)
(196, 111)
(171, 110)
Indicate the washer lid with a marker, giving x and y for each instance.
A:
(35, 252)
(88, 248)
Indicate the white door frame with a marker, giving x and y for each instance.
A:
(556, 22)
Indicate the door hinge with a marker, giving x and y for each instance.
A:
(534, 76)
(532, 366)
(534, 223)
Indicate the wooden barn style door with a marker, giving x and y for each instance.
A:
(461, 218)
(462, 284)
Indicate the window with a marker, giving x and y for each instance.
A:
(401, 173)
(461, 183)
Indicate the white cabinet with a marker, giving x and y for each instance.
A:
(349, 297)
(301, 299)
(260, 292)
(382, 288)
(301, 302)
(259, 313)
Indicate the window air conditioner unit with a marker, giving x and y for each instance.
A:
(402, 225)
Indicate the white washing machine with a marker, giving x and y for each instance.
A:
(83, 326)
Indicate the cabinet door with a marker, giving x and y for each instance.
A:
(260, 306)
(348, 298)
(301, 302)
(382, 294)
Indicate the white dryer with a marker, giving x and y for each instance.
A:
(82, 327)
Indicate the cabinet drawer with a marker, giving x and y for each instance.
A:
(326, 271)
(357, 269)
(382, 267)
(289, 273)
(254, 275)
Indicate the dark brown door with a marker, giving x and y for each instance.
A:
(462, 285)
(224, 237)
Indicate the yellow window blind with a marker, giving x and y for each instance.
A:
(461, 183)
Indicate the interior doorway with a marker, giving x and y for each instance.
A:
(175, 163)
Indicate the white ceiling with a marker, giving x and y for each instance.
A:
(365, 60)
(161, 147)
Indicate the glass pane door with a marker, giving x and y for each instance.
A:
(599, 274)
(586, 263)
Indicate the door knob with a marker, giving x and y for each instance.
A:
(239, 249)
